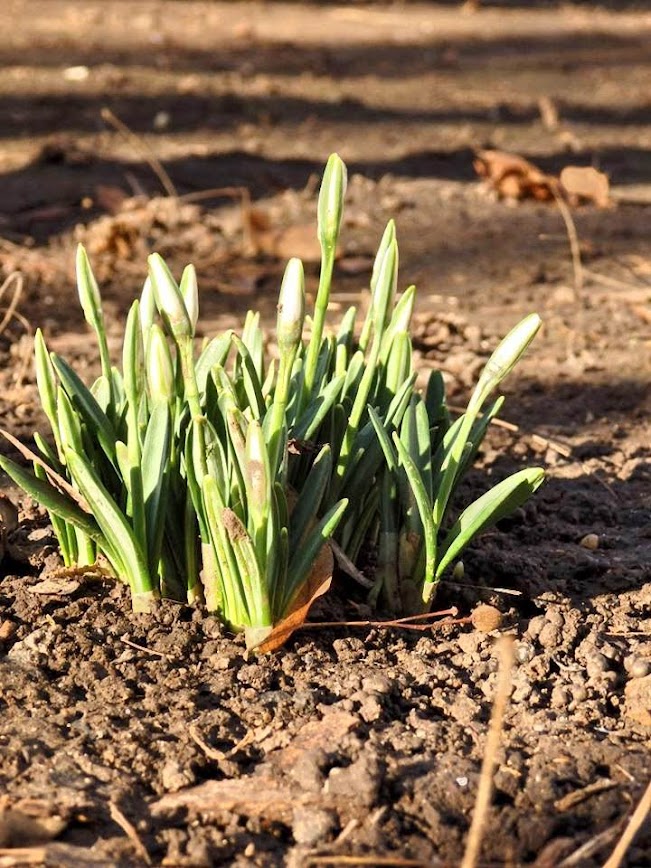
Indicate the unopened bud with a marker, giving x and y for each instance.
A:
(190, 292)
(505, 357)
(160, 371)
(168, 297)
(331, 201)
(291, 307)
(89, 295)
(147, 307)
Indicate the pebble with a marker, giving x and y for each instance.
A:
(307, 770)
(311, 825)
(535, 626)
(524, 652)
(175, 777)
(638, 700)
(590, 541)
(361, 780)
(550, 636)
(637, 667)
(596, 664)
(378, 684)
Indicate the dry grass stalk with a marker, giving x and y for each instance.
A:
(484, 790)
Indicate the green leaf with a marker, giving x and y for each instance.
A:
(112, 523)
(85, 404)
(424, 506)
(155, 479)
(316, 411)
(487, 510)
(252, 385)
(52, 499)
(309, 500)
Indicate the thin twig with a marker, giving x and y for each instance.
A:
(211, 752)
(637, 818)
(573, 238)
(140, 145)
(403, 623)
(590, 848)
(16, 277)
(395, 861)
(145, 649)
(484, 790)
(130, 831)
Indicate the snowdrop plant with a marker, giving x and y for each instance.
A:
(213, 473)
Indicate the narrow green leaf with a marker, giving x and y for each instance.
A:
(52, 499)
(309, 500)
(84, 402)
(112, 523)
(424, 509)
(496, 504)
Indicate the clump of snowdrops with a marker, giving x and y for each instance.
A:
(209, 472)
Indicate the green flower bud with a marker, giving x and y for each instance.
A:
(331, 201)
(505, 357)
(168, 298)
(89, 296)
(160, 371)
(147, 307)
(291, 307)
(190, 292)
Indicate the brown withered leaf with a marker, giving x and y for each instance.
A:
(281, 242)
(317, 584)
(513, 177)
(586, 184)
(260, 795)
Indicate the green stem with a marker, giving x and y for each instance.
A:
(320, 310)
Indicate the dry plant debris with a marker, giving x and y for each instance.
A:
(514, 177)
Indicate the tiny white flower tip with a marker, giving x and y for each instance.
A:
(291, 305)
(190, 293)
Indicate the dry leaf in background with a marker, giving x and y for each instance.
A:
(585, 184)
(513, 177)
(281, 242)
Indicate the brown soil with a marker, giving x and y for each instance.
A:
(133, 739)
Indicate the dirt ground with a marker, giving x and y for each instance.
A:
(132, 740)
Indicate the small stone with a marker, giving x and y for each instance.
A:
(360, 780)
(524, 652)
(637, 667)
(307, 770)
(312, 825)
(550, 636)
(175, 777)
(370, 708)
(596, 664)
(378, 684)
(535, 626)
(561, 697)
(590, 541)
(486, 618)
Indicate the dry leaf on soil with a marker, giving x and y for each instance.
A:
(317, 584)
(257, 795)
(585, 184)
(513, 177)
